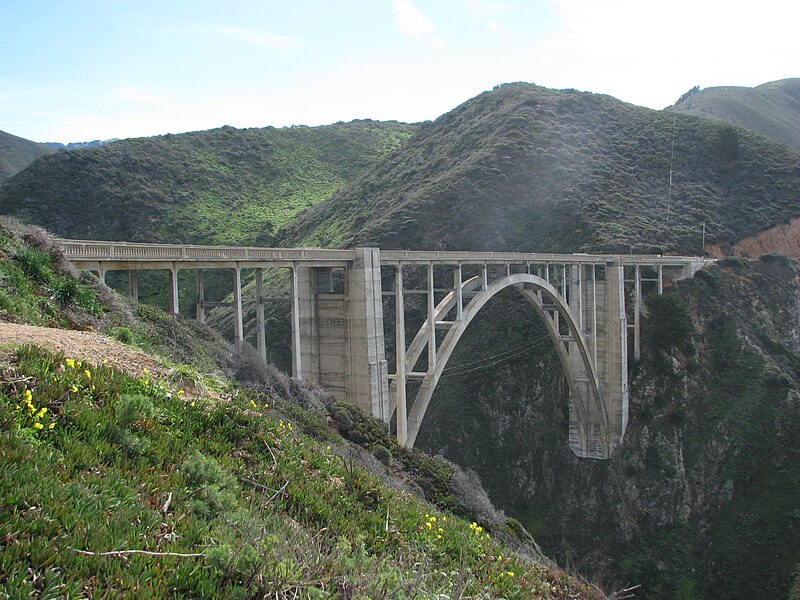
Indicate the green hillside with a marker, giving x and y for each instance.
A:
(528, 168)
(525, 168)
(16, 153)
(772, 109)
(222, 186)
(121, 484)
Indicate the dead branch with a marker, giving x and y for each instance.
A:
(143, 552)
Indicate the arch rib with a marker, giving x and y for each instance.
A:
(520, 282)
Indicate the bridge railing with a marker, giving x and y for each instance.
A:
(121, 251)
(129, 251)
(452, 257)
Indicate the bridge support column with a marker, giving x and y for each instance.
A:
(614, 366)
(602, 306)
(173, 290)
(338, 335)
(200, 296)
(368, 382)
(261, 340)
(400, 358)
(238, 325)
(303, 330)
(133, 288)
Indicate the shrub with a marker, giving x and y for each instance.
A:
(211, 490)
(669, 323)
(382, 453)
(122, 334)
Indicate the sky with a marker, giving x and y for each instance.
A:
(80, 70)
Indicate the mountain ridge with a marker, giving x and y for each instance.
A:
(772, 109)
(527, 168)
(16, 153)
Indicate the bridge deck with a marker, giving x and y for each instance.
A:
(84, 251)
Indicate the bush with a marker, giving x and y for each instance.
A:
(122, 334)
(211, 490)
(668, 323)
(382, 453)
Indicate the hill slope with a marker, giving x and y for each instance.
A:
(118, 484)
(772, 109)
(16, 153)
(701, 500)
(223, 186)
(528, 168)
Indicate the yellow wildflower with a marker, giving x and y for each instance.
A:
(74, 388)
(27, 396)
(38, 425)
(53, 424)
(87, 373)
(253, 403)
(510, 573)
(191, 403)
(41, 412)
(70, 362)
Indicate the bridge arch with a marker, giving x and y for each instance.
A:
(573, 351)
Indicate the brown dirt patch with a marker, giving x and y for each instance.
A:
(91, 347)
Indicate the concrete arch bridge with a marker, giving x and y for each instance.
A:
(588, 304)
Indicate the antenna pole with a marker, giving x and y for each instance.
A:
(704, 238)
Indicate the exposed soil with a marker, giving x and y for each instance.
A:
(88, 345)
(782, 239)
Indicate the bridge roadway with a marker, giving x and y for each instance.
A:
(126, 255)
(338, 334)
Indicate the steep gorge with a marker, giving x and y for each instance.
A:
(701, 499)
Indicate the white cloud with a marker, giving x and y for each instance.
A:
(260, 38)
(411, 22)
(649, 54)
(486, 8)
(501, 30)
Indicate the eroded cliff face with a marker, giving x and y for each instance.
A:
(782, 239)
(702, 500)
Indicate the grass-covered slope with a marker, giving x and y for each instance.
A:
(528, 168)
(16, 153)
(222, 186)
(772, 109)
(119, 484)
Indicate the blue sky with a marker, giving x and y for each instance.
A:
(75, 70)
